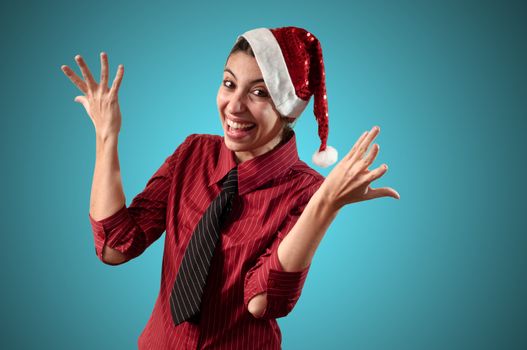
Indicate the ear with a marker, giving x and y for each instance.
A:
(286, 120)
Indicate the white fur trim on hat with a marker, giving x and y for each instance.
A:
(326, 157)
(274, 70)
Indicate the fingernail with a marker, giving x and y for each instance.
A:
(78, 57)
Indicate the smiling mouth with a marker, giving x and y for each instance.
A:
(239, 131)
(234, 126)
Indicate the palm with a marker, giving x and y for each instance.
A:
(349, 182)
(101, 103)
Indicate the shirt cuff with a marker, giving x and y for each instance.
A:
(283, 288)
(104, 227)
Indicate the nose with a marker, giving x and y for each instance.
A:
(236, 103)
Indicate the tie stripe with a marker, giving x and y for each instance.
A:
(185, 298)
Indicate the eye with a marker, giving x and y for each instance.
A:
(228, 84)
(262, 93)
(257, 92)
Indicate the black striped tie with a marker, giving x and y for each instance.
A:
(185, 298)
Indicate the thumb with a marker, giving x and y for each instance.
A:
(382, 192)
(82, 100)
(79, 99)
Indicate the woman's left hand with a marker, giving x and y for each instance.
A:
(350, 180)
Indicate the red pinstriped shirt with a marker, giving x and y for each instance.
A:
(273, 191)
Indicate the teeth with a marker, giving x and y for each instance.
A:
(235, 125)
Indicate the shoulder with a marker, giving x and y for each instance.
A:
(203, 139)
(202, 144)
(195, 147)
(301, 167)
(302, 170)
(306, 180)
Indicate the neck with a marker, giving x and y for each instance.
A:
(241, 157)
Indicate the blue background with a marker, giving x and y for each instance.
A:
(444, 267)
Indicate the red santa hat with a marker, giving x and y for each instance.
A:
(292, 66)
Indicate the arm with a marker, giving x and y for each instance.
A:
(295, 252)
(102, 106)
(127, 232)
(107, 195)
(298, 247)
(348, 182)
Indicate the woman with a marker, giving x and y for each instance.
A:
(272, 218)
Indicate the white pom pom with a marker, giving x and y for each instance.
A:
(325, 158)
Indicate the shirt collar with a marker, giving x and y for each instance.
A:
(257, 171)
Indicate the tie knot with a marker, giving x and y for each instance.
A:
(231, 181)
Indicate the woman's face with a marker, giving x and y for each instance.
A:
(251, 123)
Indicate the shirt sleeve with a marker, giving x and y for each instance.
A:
(132, 229)
(267, 275)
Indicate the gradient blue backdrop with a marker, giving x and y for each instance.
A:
(442, 268)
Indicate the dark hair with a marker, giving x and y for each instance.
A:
(244, 46)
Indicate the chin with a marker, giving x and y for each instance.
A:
(234, 146)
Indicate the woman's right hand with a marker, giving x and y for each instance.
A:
(101, 103)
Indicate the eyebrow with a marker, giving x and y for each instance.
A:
(252, 82)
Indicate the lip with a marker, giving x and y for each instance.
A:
(238, 120)
(238, 135)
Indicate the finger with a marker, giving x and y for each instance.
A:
(357, 143)
(372, 154)
(383, 192)
(88, 77)
(104, 70)
(118, 78)
(361, 166)
(75, 78)
(365, 144)
(82, 100)
(374, 174)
